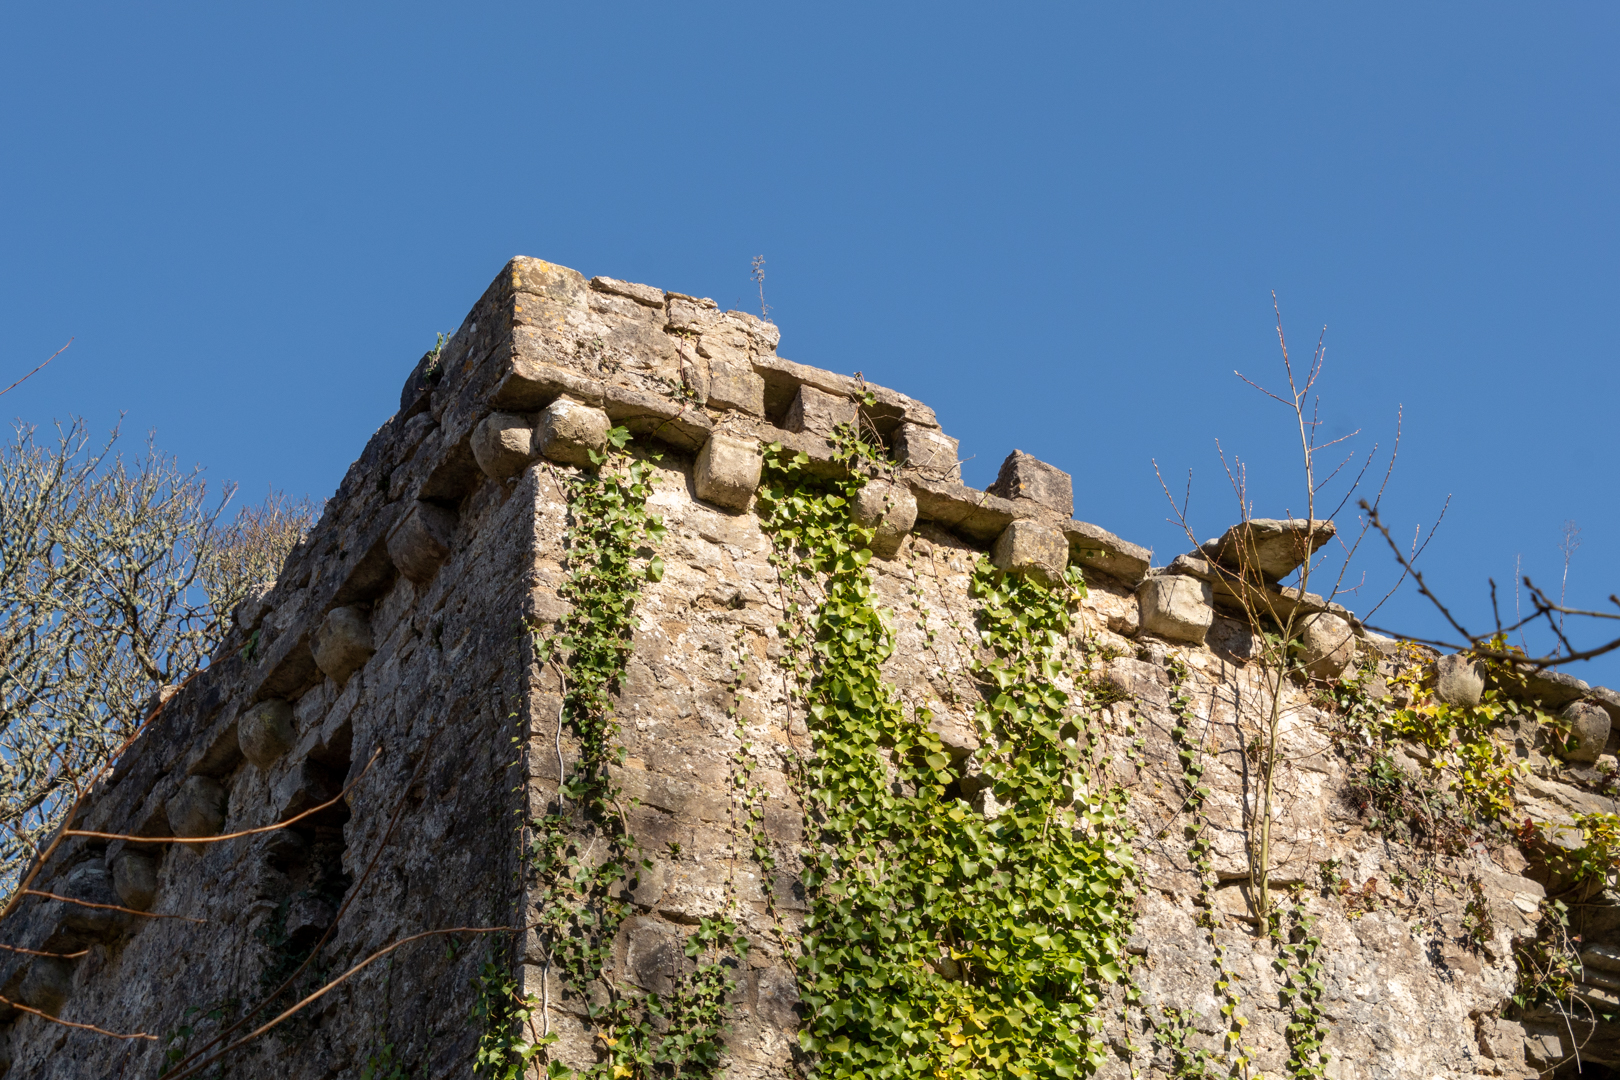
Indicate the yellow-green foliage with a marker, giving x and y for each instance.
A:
(1464, 742)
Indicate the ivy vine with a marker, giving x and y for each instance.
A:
(1201, 856)
(943, 939)
(582, 861)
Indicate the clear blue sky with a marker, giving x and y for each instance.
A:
(1057, 224)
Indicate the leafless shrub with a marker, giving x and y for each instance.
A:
(116, 579)
(253, 548)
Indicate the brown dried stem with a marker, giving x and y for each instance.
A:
(71, 1024)
(333, 801)
(108, 907)
(328, 988)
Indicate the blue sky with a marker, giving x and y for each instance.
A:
(1057, 224)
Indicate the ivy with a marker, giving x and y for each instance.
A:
(1201, 856)
(1293, 935)
(582, 860)
(942, 939)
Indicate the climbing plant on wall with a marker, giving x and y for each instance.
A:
(582, 860)
(943, 939)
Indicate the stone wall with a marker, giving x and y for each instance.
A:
(392, 662)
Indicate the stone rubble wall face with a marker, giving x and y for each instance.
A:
(453, 666)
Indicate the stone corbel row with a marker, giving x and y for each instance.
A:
(1239, 573)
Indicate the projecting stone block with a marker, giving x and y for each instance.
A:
(928, 450)
(1588, 731)
(342, 643)
(956, 733)
(818, 412)
(198, 808)
(727, 471)
(92, 883)
(134, 878)
(568, 432)
(265, 732)
(889, 509)
(501, 444)
(734, 385)
(1176, 607)
(1327, 645)
(1273, 548)
(47, 985)
(1458, 680)
(1035, 550)
(1025, 477)
(420, 543)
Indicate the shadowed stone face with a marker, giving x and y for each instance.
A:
(343, 643)
(501, 443)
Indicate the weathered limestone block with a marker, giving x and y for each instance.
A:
(304, 787)
(254, 607)
(1554, 689)
(818, 412)
(641, 294)
(1327, 645)
(734, 385)
(929, 450)
(47, 985)
(1588, 730)
(1098, 549)
(198, 807)
(1026, 477)
(727, 471)
(420, 542)
(1138, 680)
(1177, 607)
(1270, 547)
(1458, 680)
(569, 432)
(502, 444)
(956, 732)
(93, 883)
(690, 312)
(265, 732)
(342, 644)
(888, 508)
(1031, 548)
(134, 876)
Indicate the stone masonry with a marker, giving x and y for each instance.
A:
(392, 660)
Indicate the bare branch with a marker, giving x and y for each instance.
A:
(71, 1024)
(36, 370)
(108, 907)
(50, 955)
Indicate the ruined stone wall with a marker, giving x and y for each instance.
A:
(393, 659)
